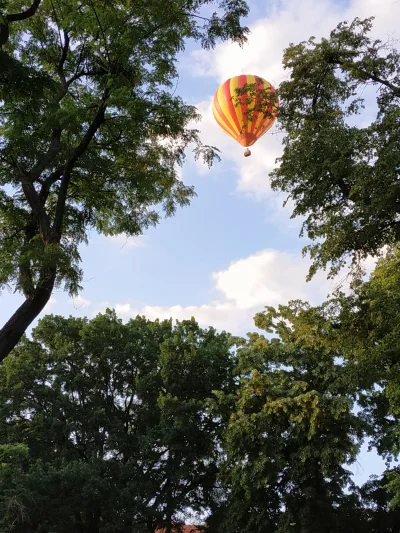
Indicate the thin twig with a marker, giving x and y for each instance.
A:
(102, 31)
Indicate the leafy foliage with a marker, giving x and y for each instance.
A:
(324, 380)
(91, 131)
(361, 330)
(113, 428)
(289, 438)
(343, 178)
(123, 428)
(105, 427)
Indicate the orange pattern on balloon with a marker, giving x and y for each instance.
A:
(232, 116)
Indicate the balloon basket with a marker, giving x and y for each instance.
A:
(247, 152)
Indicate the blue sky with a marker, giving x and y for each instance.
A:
(235, 249)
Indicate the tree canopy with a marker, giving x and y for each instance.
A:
(123, 428)
(289, 440)
(104, 427)
(324, 381)
(91, 130)
(108, 427)
(341, 173)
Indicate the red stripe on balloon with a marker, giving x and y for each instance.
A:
(222, 114)
(226, 91)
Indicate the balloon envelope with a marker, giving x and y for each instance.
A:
(232, 116)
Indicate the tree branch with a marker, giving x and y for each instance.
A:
(36, 201)
(370, 75)
(4, 30)
(25, 14)
(82, 73)
(344, 188)
(37, 207)
(102, 32)
(60, 66)
(48, 182)
(48, 157)
(69, 167)
(373, 77)
(26, 277)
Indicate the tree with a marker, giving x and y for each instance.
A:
(105, 427)
(376, 498)
(293, 426)
(91, 130)
(289, 438)
(362, 328)
(343, 178)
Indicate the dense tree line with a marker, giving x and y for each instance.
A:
(119, 427)
(105, 426)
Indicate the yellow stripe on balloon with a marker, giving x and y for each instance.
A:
(234, 84)
(250, 80)
(224, 108)
(223, 124)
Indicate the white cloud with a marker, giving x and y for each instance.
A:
(221, 315)
(124, 242)
(269, 277)
(79, 302)
(290, 21)
(287, 21)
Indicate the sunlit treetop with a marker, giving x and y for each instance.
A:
(342, 170)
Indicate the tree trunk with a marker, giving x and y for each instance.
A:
(23, 317)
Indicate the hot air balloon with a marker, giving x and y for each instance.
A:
(231, 111)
